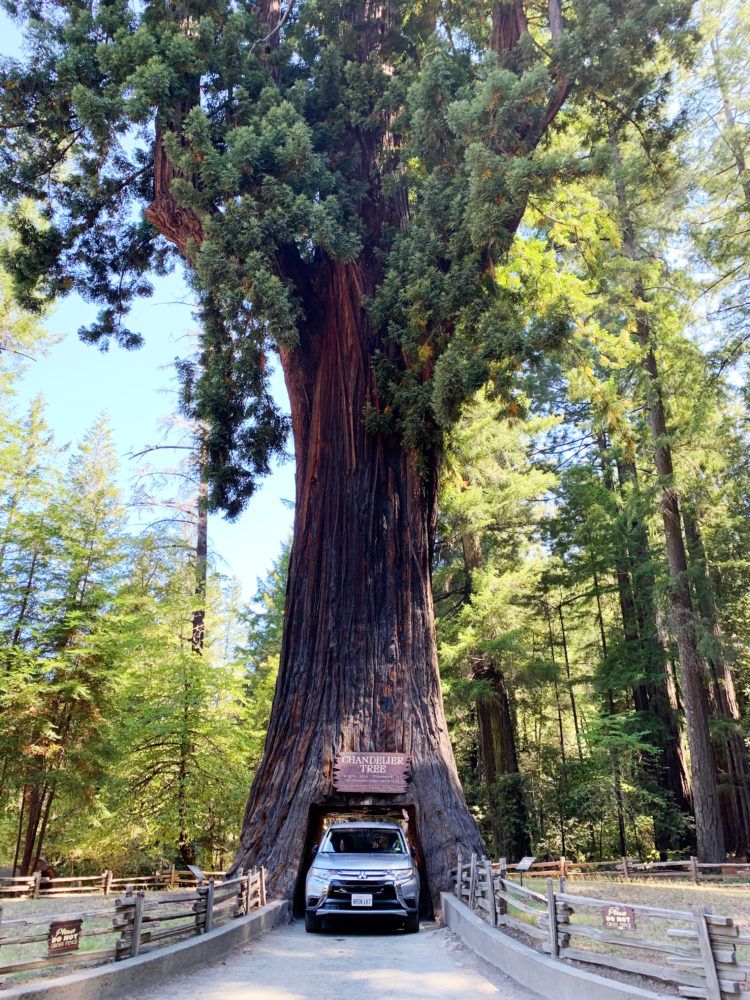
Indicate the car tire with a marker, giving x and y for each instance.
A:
(411, 924)
(312, 923)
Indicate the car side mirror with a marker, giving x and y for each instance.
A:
(413, 851)
(315, 849)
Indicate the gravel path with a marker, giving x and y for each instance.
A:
(365, 964)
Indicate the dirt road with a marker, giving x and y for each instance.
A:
(347, 962)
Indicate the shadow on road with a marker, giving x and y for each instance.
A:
(359, 927)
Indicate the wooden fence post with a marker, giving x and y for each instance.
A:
(172, 876)
(472, 880)
(694, 868)
(563, 866)
(198, 907)
(459, 875)
(713, 989)
(240, 891)
(135, 943)
(491, 892)
(208, 920)
(107, 885)
(262, 887)
(625, 872)
(37, 885)
(502, 906)
(552, 916)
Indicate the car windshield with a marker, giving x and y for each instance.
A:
(363, 841)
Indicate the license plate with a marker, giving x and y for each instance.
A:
(361, 899)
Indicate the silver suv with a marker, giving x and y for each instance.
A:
(362, 869)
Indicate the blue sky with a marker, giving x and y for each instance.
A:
(136, 390)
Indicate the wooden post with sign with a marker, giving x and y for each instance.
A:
(524, 865)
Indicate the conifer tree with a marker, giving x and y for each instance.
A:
(341, 184)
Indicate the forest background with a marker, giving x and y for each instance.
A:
(137, 683)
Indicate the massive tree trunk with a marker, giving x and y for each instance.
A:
(652, 694)
(709, 832)
(730, 752)
(358, 667)
(508, 813)
(708, 824)
(509, 818)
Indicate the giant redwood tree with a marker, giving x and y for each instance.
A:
(340, 180)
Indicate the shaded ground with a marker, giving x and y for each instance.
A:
(366, 963)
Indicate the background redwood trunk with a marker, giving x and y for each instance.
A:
(509, 818)
(730, 752)
(358, 666)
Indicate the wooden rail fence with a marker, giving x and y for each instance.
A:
(702, 954)
(631, 868)
(36, 886)
(133, 925)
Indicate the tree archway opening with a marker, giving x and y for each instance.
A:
(320, 817)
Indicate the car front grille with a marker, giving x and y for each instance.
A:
(383, 894)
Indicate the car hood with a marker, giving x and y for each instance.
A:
(356, 863)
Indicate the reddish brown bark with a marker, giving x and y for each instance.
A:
(180, 225)
(708, 825)
(508, 814)
(652, 694)
(358, 665)
(508, 24)
(730, 752)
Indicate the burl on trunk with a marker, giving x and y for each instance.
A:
(358, 668)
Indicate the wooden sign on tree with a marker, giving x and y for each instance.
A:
(371, 772)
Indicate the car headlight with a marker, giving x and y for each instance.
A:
(404, 874)
(321, 876)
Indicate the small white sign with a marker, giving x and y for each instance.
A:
(361, 899)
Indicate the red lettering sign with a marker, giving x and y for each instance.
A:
(371, 772)
(618, 918)
(64, 935)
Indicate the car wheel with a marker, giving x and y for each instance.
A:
(312, 923)
(411, 924)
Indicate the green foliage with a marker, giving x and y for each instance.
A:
(404, 144)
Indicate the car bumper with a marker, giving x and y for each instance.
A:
(390, 899)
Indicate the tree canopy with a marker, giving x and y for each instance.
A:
(262, 144)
